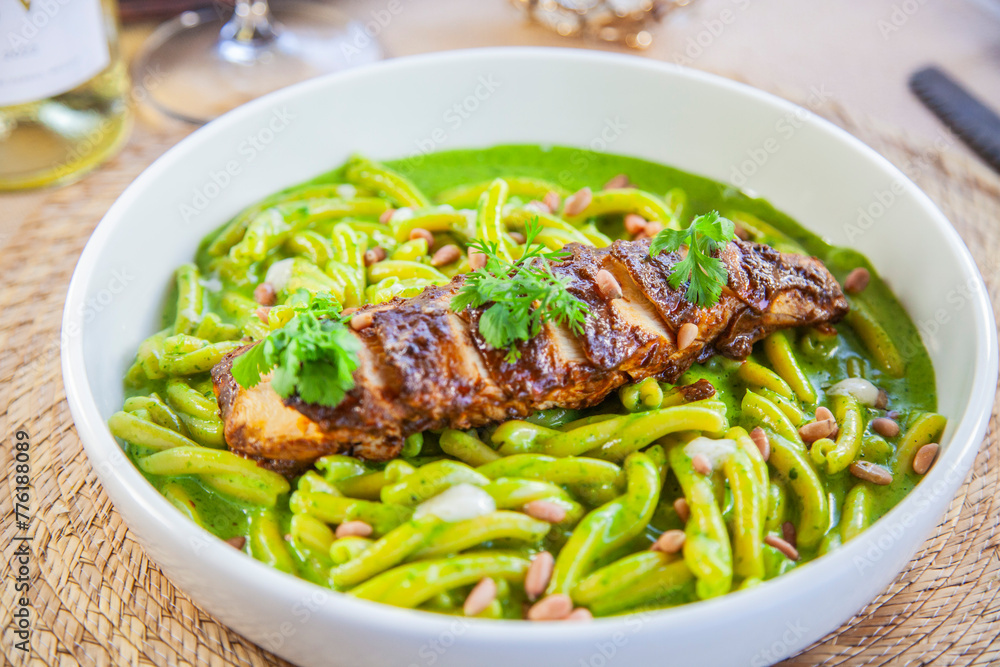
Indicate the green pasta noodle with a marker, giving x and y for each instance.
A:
(838, 455)
(707, 550)
(190, 299)
(628, 200)
(337, 509)
(610, 526)
(413, 584)
(267, 544)
(368, 173)
(467, 448)
(390, 550)
(778, 349)
(792, 462)
(463, 535)
(467, 196)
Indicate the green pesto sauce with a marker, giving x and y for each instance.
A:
(572, 169)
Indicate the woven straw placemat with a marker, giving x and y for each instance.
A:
(97, 600)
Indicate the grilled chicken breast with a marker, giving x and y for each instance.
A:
(425, 367)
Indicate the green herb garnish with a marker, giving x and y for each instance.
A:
(525, 294)
(704, 273)
(314, 355)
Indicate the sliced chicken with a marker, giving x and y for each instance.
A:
(425, 367)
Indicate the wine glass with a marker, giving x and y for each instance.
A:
(200, 64)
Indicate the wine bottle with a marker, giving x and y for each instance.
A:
(63, 90)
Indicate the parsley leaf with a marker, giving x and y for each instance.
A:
(524, 294)
(705, 274)
(314, 355)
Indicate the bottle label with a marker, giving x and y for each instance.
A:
(48, 47)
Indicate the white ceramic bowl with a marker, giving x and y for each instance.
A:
(704, 124)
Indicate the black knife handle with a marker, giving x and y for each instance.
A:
(970, 119)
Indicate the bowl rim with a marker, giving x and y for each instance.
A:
(231, 566)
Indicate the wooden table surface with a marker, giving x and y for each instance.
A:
(857, 53)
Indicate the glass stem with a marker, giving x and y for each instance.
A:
(249, 33)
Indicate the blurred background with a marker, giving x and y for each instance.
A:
(855, 54)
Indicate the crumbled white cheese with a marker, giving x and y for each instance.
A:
(716, 451)
(400, 214)
(460, 502)
(346, 191)
(863, 390)
(279, 273)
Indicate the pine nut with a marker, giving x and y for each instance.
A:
(374, 255)
(552, 200)
(580, 614)
(608, 285)
(682, 509)
(857, 280)
(882, 402)
(551, 608)
(477, 260)
(539, 574)
(353, 529)
(578, 202)
(262, 313)
(871, 472)
(265, 294)
(686, 335)
(386, 216)
(763, 443)
(822, 414)
(925, 458)
(790, 552)
(237, 542)
(480, 597)
(537, 206)
(701, 464)
(818, 430)
(545, 510)
(446, 255)
(349, 311)
(518, 237)
(618, 182)
(789, 533)
(635, 224)
(670, 542)
(421, 233)
(362, 320)
(885, 427)
(652, 229)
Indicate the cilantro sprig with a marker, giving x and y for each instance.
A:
(704, 274)
(314, 355)
(524, 294)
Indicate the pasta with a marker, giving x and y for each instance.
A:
(595, 488)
